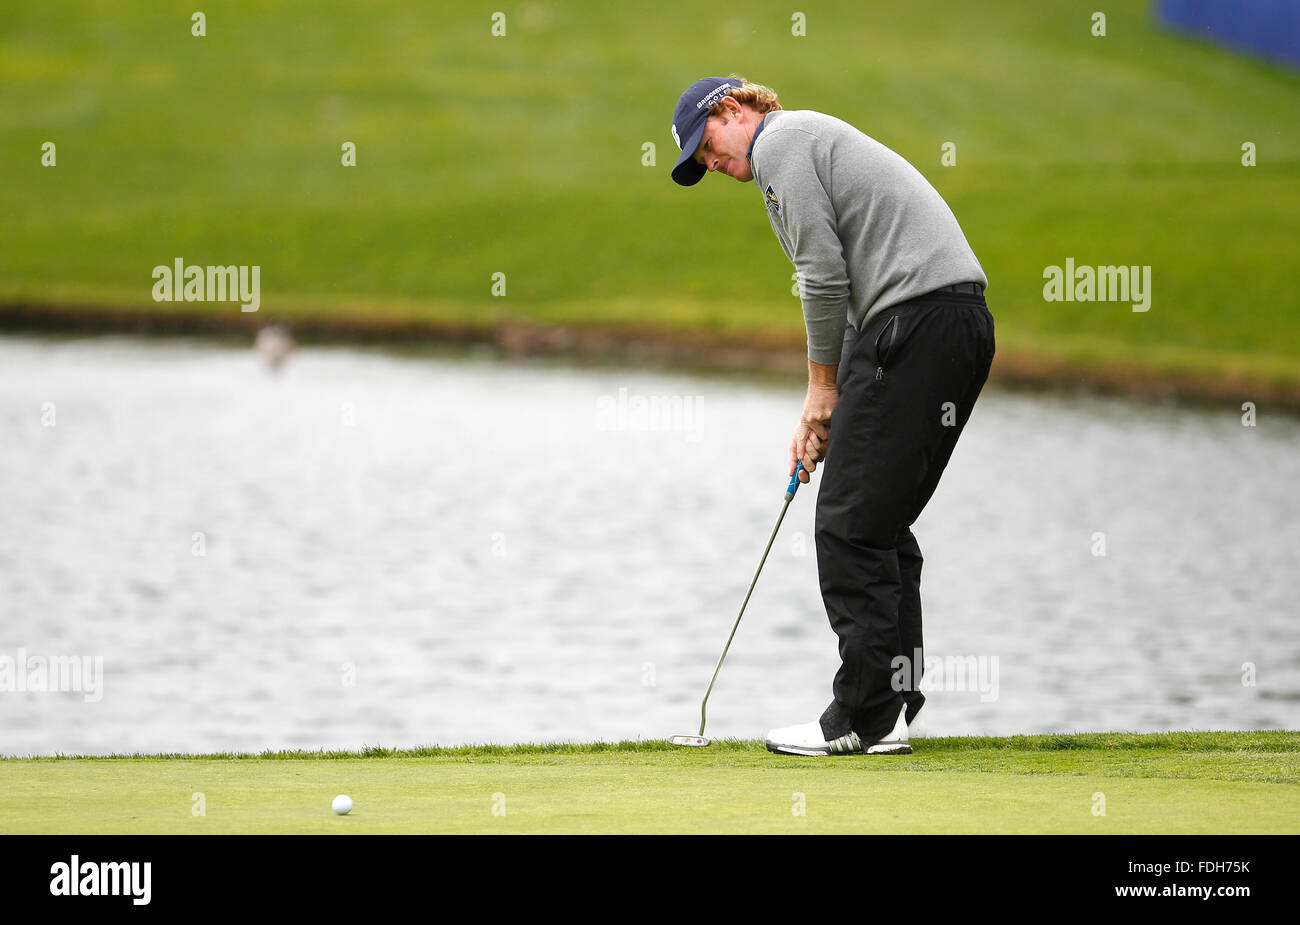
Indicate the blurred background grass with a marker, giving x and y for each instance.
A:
(522, 154)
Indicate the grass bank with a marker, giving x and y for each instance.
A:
(524, 155)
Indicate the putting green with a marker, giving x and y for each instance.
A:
(1195, 783)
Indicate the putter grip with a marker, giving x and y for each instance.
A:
(794, 481)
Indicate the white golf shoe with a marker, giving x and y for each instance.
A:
(916, 728)
(807, 739)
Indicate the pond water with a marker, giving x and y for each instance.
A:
(373, 548)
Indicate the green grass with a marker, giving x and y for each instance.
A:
(522, 154)
(1191, 782)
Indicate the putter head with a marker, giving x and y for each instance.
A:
(691, 741)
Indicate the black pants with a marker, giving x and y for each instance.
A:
(907, 384)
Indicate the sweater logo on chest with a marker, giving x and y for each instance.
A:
(772, 202)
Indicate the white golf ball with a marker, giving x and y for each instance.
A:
(342, 804)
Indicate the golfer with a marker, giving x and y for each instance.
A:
(900, 341)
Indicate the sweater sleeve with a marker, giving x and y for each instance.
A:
(788, 160)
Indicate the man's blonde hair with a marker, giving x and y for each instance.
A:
(757, 97)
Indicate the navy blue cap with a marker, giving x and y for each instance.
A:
(689, 117)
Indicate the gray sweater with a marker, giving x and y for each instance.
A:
(861, 225)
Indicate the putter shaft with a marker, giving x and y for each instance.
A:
(789, 496)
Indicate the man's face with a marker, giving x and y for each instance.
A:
(725, 142)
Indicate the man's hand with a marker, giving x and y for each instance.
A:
(812, 435)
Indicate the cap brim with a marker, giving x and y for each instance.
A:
(689, 171)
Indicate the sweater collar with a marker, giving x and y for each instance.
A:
(749, 155)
